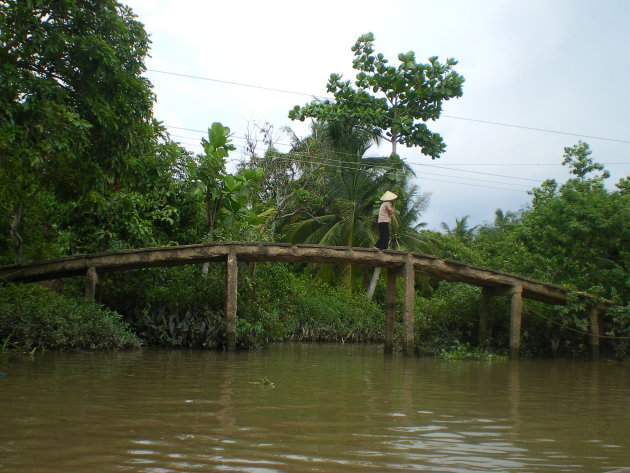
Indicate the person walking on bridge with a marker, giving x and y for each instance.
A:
(384, 219)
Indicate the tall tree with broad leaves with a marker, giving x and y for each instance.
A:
(75, 112)
(581, 227)
(405, 97)
(225, 195)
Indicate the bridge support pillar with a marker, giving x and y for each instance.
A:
(516, 293)
(486, 298)
(389, 309)
(231, 287)
(91, 279)
(408, 305)
(593, 316)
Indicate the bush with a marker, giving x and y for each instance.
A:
(334, 314)
(32, 316)
(204, 329)
(448, 319)
(177, 307)
(174, 307)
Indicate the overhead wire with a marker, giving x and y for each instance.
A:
(452, 164)
(411, 163)
(487, 122)
(359, 165)
(508, 164)
(408, 162)
(581, 135)
(333, 163)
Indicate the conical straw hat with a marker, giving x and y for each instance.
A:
(388, 195)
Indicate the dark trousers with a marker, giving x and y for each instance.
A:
(383, 241)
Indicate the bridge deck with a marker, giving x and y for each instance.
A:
(269, 252)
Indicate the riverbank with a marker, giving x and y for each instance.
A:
(178, 313)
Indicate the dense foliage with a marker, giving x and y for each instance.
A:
(35, 318)
(84, 167)
(574, 235)
(175, 307)
(75, 114)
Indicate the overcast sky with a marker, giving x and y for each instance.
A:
(556, 65)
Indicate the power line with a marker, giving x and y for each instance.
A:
(240, 84)
(324, 162)
(336, 165)
(475, 185)
(508, 164)
(477, 172)
(536, 129)
(411, 163)
(452, 164)
(487, 122)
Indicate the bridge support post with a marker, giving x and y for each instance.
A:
(231, 287)
(593, 316)
(516, 293)
(91, 279)
(408, 303)
(486, 298)
(389, 309)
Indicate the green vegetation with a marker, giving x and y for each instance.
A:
(407, 97)
(84, 167)
(35, 318)
(176, 307)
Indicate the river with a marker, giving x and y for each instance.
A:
(309, 408)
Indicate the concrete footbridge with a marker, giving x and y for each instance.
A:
(399, 264)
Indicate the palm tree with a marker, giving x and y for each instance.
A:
(460, 230)
(503, 218)
(349, 187)
(406, 225)
(346, 218)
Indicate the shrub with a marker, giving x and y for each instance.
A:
(174, 307)
(32, 316)
(325, 313)
(449, 318)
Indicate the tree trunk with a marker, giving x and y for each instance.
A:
(15, 232)
(372, 286)
(210, 221)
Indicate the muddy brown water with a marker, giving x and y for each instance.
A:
(309, 408)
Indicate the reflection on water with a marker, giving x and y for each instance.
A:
(333, 408)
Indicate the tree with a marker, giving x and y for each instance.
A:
(578, 158)
(581, 228)
(349, 186)
(408, 96)
(502, 218)
(406, 226)
(461, 229)
(151, 210)
(75, 113)
(225, 195)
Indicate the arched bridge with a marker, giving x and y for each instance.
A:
(398, 264)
